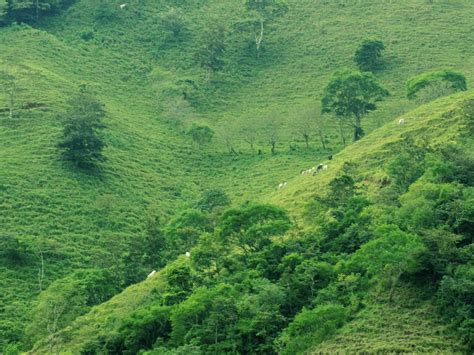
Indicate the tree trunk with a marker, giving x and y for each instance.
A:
(273, 144)
(358, 131)
(12, 103)
(321, 137)
(259, 38)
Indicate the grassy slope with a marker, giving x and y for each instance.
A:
(410, 324)
(148, 162)
(405, 326)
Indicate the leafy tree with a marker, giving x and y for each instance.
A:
(143, 327)
(351, 96)
(12, 250)
(456, 297)
(250, 228)
(392, 253)
(201, 134)
(31, 10)
(3, 11)
(260, 317)
(174, 22)
(368, 55)
(262, 12)
(183, 231)
(213, 46)
(106, 12)
(82, 142)
(212, 199)
(208, 316)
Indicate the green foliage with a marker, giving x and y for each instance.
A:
(352, 95)
(389, 255)
(106, 11)
(143, 328)
(368, 55)
(250, 228)
(184, 229)
(66, 299)
(32, 10)
(174, 22)
(213, 47)
(456, 80)
(201, 134)
(311, 327)
(212, 199)
(209, 316)
(456, 297)
(82, 142)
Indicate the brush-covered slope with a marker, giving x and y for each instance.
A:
(411, 323)
(75, 220)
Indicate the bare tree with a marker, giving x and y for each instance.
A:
(11, 89)
(271, 132)
(321, 129)
(250, 134)
(56, 309)
(228, 136)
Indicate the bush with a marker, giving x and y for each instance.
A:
(456, 81)
(368, 55)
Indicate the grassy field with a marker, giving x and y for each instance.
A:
(88, 218)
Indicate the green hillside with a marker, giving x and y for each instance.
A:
(57, 221)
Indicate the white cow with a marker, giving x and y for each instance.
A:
(151, 274)
(401, 121)
(188, 254)
(123, 6)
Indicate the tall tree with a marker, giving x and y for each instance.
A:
(82, 142)
(262, 12)
(351, 95)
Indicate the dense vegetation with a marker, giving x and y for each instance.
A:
(154, 135)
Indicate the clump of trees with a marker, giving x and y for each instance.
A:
(82, 141)
(368, 56)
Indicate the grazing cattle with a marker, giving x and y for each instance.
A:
(319, 168)
(123, 6)
(325, 167)
(401, 121)
(188, 254)
(330, 157)
(151, 274)
(280, 186)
